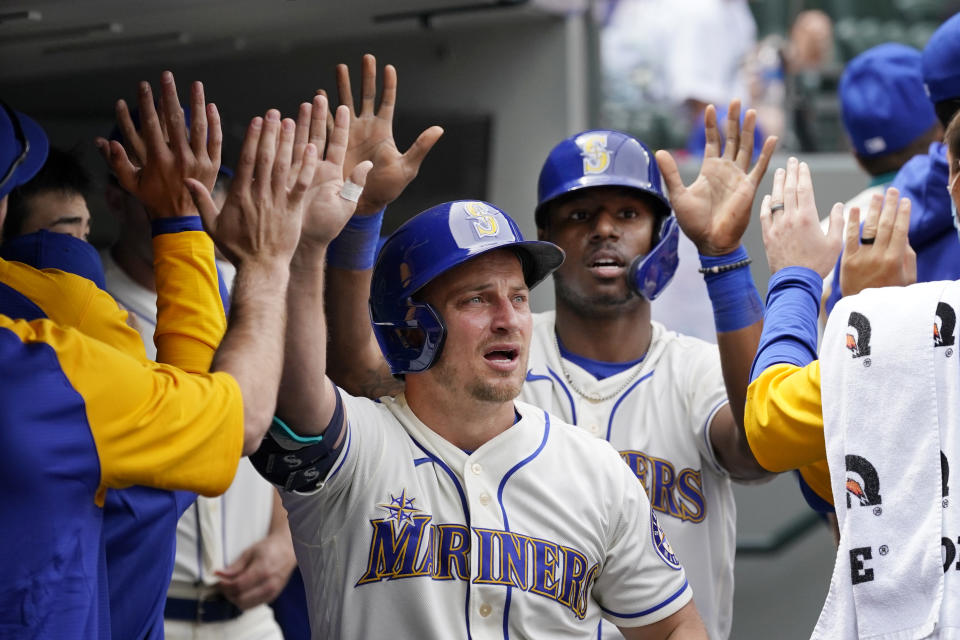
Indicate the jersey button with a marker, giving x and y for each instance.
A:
(485, 610)
(476, 467)
(484, 499)
(594, 428)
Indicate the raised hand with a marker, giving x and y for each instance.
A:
(791, 226)
(884, 258)
(371, 137)
(714, 211)
(163, 154)
(330, 202)
(263, 213)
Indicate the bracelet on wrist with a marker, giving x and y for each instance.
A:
(720, 268)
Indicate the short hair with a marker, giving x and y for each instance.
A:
(61, 173)
(951, 137)
(890, 162)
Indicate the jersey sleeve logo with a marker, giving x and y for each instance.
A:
(662, 545)
(593, 149)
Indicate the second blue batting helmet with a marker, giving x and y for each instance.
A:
(604, 158)
(411, 332)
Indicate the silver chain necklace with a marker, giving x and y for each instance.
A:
(595, 397)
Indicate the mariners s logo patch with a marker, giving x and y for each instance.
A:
(661, 544)
(596, 156)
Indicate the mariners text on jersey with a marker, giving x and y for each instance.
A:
(419, 548)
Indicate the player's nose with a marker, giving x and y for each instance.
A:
(604, 225)
(507, 315)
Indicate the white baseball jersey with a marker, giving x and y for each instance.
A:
(536, 534)
(657, 416)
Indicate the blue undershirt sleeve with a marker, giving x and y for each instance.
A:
(790, 320)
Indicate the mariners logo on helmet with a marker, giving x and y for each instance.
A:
(484, 219)
(596, 156)
(661, 544)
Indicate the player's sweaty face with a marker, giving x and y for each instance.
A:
(601, 229)
(486, 308)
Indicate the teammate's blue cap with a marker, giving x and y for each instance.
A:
(599, 158)
(941, 61)
(883, 104)
(49, 250)
(411, 332)
(23, 149)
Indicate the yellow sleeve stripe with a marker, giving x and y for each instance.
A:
(190, 315)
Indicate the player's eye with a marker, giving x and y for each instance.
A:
(578, 215)
(628, 213)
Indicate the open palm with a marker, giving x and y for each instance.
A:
(714, 210)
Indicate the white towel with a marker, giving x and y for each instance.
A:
(879, 373)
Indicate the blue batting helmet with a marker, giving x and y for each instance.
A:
(604, 158)
(411, 332)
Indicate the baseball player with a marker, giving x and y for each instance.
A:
(671, 405)
(453, 510)
(109, 419)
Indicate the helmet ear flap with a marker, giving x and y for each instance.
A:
(650, 274)
(415, 344)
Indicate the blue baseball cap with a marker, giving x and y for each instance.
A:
(23, 149)
(883, 104)
(49, 250)
(941, 62)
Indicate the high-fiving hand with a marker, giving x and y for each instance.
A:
(791, 227)
(714, 211)
(163, 154)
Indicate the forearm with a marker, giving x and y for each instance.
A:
(790, 320)
(355, 362)
(306, 400)
(190, 313)
(252, 347)
(738, 316)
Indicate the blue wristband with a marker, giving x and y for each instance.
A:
(733, 294)
(161, 226)
(356, 246)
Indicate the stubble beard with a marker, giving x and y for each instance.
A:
(484, 390)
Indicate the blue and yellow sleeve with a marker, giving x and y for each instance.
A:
(74, 301)
(783, 417)
(191, 320)
(152, 424)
